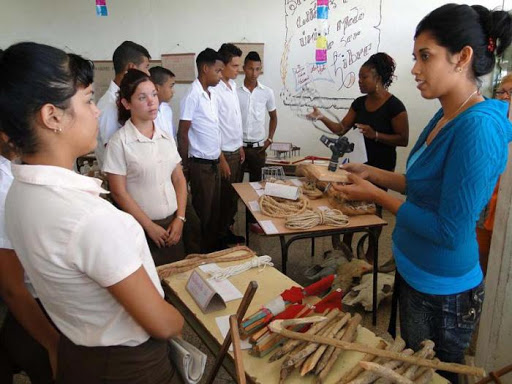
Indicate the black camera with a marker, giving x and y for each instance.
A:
(338, 146)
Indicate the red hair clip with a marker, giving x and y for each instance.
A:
(491, 46)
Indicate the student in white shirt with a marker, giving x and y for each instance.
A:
(27, 338)
(89, 262)
(199, 143)
(255, 101)
(127, 56)
(232, 155)
(164, 81)
(144, 171)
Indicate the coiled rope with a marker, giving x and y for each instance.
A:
(310, 219)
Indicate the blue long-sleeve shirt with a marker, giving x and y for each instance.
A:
(447, 187)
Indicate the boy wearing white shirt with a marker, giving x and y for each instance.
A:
(232, 155)
(199, 144)
(255, 100)
(164, 81)
(128, 55)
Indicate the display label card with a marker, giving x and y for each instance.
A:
(205, 296)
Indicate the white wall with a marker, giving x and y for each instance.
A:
(160, 25)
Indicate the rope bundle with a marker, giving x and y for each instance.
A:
(257, 262)
(310, 219)
(282, 208)
(310, 190)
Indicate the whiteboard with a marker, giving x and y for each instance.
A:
(353, 35)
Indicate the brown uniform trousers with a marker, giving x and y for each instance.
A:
(254, 160)
(166, 255)
(147, 363)
(205, 188)
(229, 197)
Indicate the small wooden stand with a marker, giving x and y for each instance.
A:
(240, 313)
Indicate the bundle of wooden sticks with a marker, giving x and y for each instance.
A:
(318, 359)
(317, 349)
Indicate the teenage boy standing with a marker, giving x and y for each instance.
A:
(255, 100)
(164, 80)
(232, 155)
(199, 143)
(127, 56)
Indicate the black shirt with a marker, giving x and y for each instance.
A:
(380, 155)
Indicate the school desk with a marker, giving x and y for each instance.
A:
(370, 224)
(271, 283)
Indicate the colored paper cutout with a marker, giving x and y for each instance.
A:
(321, 42)
(319, 3)
(321, 56)
(101, 8)
(322, 12)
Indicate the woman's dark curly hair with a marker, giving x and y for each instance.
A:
(384, 66)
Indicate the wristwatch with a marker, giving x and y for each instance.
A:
(182, 218)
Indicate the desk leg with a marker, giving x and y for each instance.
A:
(312, 247)
(247, 213)
(373, 239)
(284, 253)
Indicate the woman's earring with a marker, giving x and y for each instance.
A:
(57, 130)
(459, 69)
(377, 88)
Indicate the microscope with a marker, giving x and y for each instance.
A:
(338, 146)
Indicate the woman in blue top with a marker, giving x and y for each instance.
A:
(451, 173)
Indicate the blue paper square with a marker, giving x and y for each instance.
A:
(101, 10)
(322, 12)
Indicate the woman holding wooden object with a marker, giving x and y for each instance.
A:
(379, 115)
(88, 262)
(144, 169)
(451, 173)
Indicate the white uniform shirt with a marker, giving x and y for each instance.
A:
(164, 120)
(147, 165)
(108, 123)
(6, 180)
(230, 117)
(73, 245)
(254, 106)
(202, 110)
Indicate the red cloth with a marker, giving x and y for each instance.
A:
(293, 295)
(331, 301)
(290, 312)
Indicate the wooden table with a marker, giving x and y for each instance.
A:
(370, 224)
(271, 283)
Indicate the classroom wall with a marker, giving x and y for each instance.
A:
(165, 26)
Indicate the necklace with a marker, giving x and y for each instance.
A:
(444, 120)
(461, 106)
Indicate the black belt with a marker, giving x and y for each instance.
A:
(231, 152)
(257, 144)
(203, 161)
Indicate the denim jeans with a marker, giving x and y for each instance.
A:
(447, 320)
